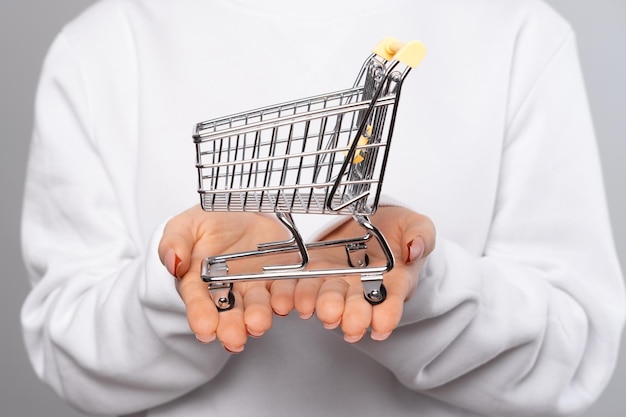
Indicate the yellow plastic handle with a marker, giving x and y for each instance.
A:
(410, 53)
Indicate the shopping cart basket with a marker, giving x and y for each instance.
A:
(321, 155)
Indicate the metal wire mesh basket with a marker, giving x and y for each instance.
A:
(324, 154)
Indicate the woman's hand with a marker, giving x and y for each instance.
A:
(195, 234)
(340, 301)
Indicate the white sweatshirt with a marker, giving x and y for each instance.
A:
(519, 309)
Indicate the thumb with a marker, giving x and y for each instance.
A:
(176, 244)
(418, 237)
(415, 250)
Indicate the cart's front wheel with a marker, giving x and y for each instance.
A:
(223, 296)
(375, 295)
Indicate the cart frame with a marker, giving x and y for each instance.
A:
(324, 154)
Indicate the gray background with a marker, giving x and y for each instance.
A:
(26, 30)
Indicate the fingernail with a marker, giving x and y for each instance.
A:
(254, 333)
(379, 336)
(177, 261)
(416, 250)
(307, 316)
(172, 262)
(332, 325)
(352, 339)
(234, 350)
(205, 339)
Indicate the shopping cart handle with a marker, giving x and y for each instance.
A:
(410, 53)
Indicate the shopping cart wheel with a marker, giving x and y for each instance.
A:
(373, 289)
(357, 256)
(222, 294)
(376, 296)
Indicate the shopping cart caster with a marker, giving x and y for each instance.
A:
(222, 295)
(357, 256)
(373, 289)
(221, 292)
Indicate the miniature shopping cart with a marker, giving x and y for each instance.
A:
(319, 155)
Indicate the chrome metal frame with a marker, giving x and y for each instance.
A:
(324, 154)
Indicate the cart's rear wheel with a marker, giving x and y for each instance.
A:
(376, 296)
(225, 303)
(222, 295)
(357, 255)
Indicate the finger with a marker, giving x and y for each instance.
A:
(282, 296)
(357, 314)
(305, 296)
(414, 250)
(386, 315)
(331, 301)
(417, 235)
(176, 244)
(231, 328)
(257, 309)
(202, 314)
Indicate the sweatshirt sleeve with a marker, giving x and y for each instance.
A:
(531, 327)
(103, 324)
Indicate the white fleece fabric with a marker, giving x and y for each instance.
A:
(519, 310)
